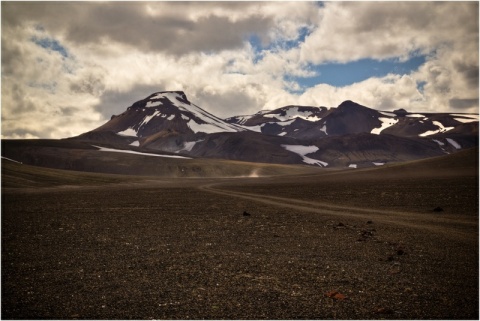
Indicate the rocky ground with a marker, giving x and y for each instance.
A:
(260, 248)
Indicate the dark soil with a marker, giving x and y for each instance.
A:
(309, 249)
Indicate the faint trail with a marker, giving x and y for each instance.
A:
(461, 228)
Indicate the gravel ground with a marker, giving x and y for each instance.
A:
(180, 252)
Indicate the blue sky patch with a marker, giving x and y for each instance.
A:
(344, 74)
(50, 44)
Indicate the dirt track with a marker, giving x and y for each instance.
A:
(450, 227)
(183, 249)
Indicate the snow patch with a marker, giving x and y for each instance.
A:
(243, 119)
(9, 159)
(300, 149)
(324, 128)
(378, 163)
(148, 118)
(285, 123)
(257, 128)
(135, 143)
(416, 115)
(304, 150)
(204, 128)
(171, 117)
(466, 120)
(185, 117)
(128, 132)
(292, 113)
(441, 129)
(454, 143)
(352, 166)
(153, 103)
(212, 124)
(389, 114)
(386, 122)
(187, 146)
(105, 149)
(472, 116)
(439, 142)
(282, 134)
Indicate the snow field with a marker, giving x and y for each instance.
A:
(386, 122)
(212, 123)
(305, 150)
(441, 129)
(105, 149)
(135, 143)
(128, 132)
(292, 113)
(454, 143)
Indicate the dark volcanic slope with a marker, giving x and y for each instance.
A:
(364, 150)
(76, 156)
(246, 146)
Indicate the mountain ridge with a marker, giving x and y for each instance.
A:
(167, 121)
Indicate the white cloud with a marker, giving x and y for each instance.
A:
(386, 93)
(348, 31)
(446, 31)
(118, 53)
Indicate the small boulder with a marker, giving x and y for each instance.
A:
(336, 295)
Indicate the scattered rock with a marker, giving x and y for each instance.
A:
(340, 225)
(381, 310)
(336, 295)
(369, 222)
(245, 213)
(438, 209)
(400, 251)
(366, 233)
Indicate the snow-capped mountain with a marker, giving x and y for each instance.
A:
(166, 111)
(350, 135)
(351, 118)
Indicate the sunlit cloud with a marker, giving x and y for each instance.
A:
(68, 66)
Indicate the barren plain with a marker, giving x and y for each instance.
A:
(397, 242)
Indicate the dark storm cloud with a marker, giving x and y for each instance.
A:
(114, 102)
(131, 23)
(457, 103)
(226, 104)
(469, 72)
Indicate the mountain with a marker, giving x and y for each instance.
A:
(160, 116)
(351, 118)
(350, 135)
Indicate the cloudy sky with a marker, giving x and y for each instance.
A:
(68, 66)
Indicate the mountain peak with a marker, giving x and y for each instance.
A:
(162, 98)
(170, 95)
(349, 103)
(169, 111)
